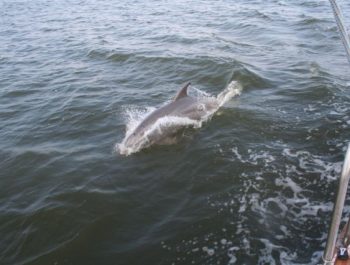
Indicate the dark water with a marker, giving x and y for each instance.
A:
(254, 185)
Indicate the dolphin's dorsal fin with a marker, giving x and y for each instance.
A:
(182, 92)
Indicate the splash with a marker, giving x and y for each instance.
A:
(165, 128)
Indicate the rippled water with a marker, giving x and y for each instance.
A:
(254, 185)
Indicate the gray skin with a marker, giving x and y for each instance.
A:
(182, 106)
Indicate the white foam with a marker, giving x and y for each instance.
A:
(299, 173)
(223, 241)
(315, 164)
(231, 253)
(211, 251)
(254, 157)
(158, 128)
(289, 183)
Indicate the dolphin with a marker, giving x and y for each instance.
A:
(187, 109)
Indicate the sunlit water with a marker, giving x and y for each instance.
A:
(253, 185)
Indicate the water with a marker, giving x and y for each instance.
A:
(254, 185)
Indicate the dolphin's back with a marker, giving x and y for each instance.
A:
(178, 108)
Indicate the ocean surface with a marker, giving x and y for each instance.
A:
(255, 184)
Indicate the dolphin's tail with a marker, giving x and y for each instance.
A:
(233, 89)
